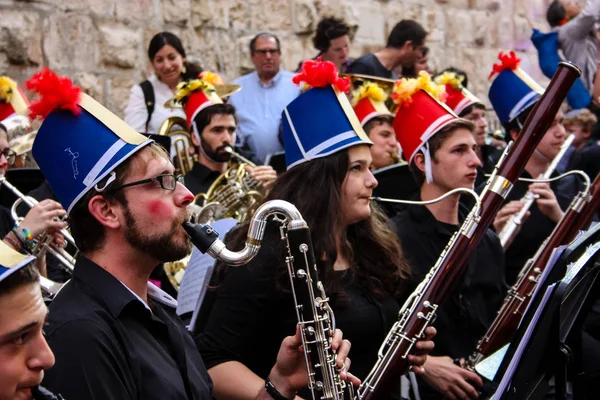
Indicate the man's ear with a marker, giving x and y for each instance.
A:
(105, 212)
(514, 134)
(419, 160)
(408, 46)
(195, 140)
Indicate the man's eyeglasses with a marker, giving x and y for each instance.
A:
(10, 156)
(166, 181)
(264, 52)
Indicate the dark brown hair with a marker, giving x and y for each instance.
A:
(162, 39)
(17, 279)
(314, 187)
(87, 232)
(378, 120)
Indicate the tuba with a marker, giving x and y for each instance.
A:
(315, 317)
(180, 142)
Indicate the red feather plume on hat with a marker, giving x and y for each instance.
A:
(318, 73)
(507, 61)
(56, 93)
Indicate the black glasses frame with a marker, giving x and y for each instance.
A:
(10, 156)
(160, 179)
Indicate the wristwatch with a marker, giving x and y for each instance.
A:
(273, 392)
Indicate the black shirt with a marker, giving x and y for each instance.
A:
(370, 65)
(465, 316)
(587, 160)
(537, 227)
(489, 157)
(199, 179)
(108, 345)
(250, 317)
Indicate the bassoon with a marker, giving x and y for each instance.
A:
(501, 331)
(419, 311)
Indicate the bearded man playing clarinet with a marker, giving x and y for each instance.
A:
(442, 155)
(114, 334)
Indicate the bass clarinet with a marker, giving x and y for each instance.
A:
(500, 332)
(315, 317)
(419, 311)
(509, 230)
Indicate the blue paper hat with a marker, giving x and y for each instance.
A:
(512, 91)
(318, 123)
(11, 260)
(75, 152)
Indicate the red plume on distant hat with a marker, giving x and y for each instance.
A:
(318, 73)
(507, 61)
(56, 93)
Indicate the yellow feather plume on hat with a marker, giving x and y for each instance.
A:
(184, 89)
(450, 78)
(7, 88)
(405, 88)
(211, 77)
(370, 90)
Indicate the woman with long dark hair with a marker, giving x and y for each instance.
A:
(359, 259)
(145, 111)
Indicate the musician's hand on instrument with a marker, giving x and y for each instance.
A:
(289, 374)
(342, 363)
(546, 201)
(424, 347)
(59, 239)
(506, 212)
(451, 380)
(42, 216)
(265, 174)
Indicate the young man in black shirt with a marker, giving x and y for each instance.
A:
(114, 334)
(213, 127)
(441, 151)
(512, 107)
(404, 47)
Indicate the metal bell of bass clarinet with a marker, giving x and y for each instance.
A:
(508, 233)
(315, 317)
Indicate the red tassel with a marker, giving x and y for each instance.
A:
(55, 93)
(507, 61)
(320, 74)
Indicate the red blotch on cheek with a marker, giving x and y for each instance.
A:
(159, 209)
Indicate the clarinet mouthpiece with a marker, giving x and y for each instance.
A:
(202, 236)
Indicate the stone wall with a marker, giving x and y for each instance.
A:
(102, 44)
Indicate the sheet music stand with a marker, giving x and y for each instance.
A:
(549, 349)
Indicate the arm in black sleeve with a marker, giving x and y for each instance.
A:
(89, 364)
(240, 325)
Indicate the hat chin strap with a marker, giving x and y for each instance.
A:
(428, 171)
